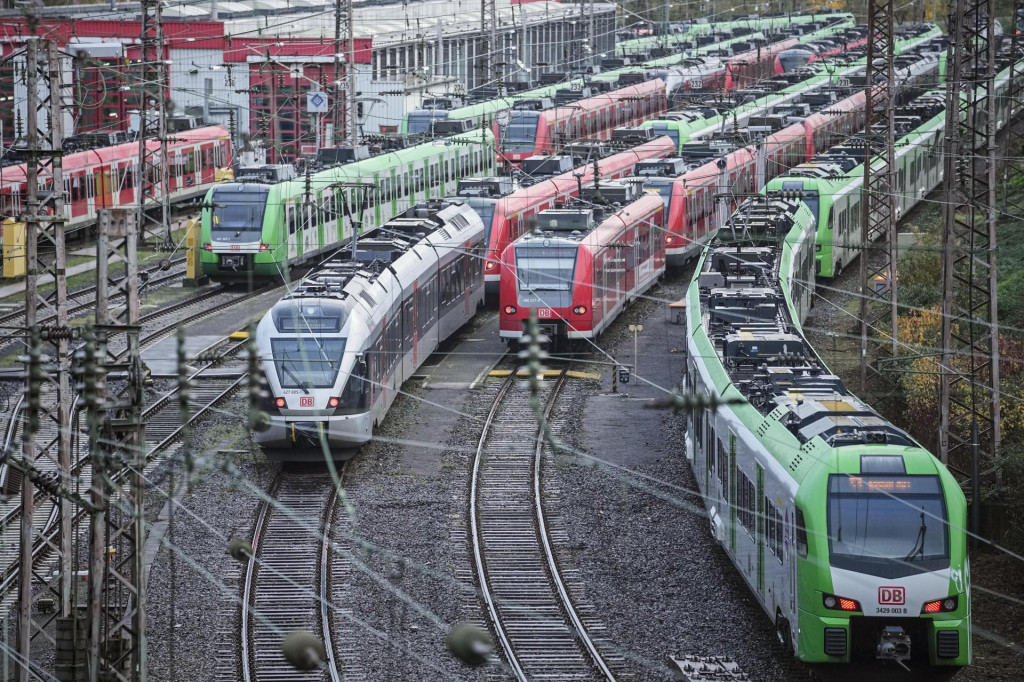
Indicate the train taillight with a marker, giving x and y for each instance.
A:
(209, 246)
(280, 402)
(941, 605)
(264, 247)
(490, 265)
(510, 310)
(333, 402)
(580, 310)
(840, 603)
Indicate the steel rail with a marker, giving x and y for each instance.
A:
(529, 560)
(300, 565)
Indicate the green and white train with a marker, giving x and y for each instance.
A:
(849, 534)
(832, 183)
(254, 232)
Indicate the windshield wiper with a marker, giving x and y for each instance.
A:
(918, 549)
(299, 384)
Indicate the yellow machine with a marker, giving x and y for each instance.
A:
(13, 240)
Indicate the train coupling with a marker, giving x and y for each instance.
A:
(894, 645)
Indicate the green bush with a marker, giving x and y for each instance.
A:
(920, 274)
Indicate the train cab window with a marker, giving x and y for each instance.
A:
(521, 131)
(307, 363)
(355, 397)
(546, 268)
(890, 526)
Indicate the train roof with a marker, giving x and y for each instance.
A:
(379, 250)
(740, 297)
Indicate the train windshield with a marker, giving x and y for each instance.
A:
(306, 362)
(662, 189)
(545, 269)
(521, 132)
(237, 212)
(419, 121)
(888, 526)
(666, 129)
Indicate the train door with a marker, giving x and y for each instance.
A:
(79, 197)
(210, 164)
(310, 229)
(641, 244)
(104, 186)
(291, 222)
(787, 587)
(760, 539)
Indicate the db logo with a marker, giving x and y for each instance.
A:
(892, 595)
(544, 312)
(307, 401)
(236, 247)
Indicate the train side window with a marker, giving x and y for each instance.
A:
(746, 498)
(722, 466)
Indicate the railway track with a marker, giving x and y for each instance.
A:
(163, 431)
(296, 576)
(541, 633)
(83, 300)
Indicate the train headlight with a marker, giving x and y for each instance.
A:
(941, 605)
(580, 309)
(280, 402)
(836, 603)
(510, 310)
(669, 239)
(333, 402)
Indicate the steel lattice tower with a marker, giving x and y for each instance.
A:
(48, 449)
(969, 419)
(345, 126)
(154, 176)
(879, 235)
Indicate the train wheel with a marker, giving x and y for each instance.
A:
(782, 631)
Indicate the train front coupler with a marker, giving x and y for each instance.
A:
(894, 645)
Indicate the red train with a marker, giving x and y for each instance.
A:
(582, 265)
(543, 132)
(516, 213)
(107, 177)
(747, 68)
(693, 213)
